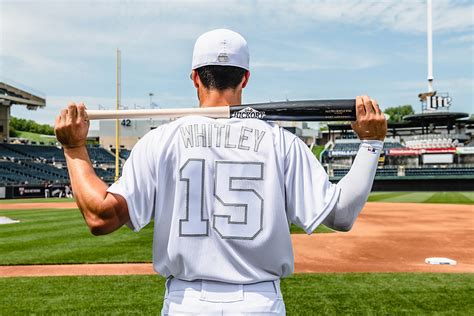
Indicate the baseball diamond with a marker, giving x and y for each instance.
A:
(213, 204)
(410, 293)
(236, 158)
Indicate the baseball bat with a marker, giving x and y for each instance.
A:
(309, 110)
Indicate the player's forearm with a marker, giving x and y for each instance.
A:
(355, 187)
(89, 190)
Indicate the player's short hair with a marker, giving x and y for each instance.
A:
(220, 77)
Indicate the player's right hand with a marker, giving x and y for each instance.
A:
(370, 122)
(72, 126)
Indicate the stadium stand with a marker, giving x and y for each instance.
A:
(105, 174)
(124, 153)
(49, 154)
(420, 172)
(48, 172)
(12, 172)
(450, 171)
(431, 141)
(100, 155)
(354, 146)
(40, 164)
(6, 153)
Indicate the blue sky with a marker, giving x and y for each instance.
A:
(299, 50)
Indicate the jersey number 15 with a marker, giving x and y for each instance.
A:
(238, 212)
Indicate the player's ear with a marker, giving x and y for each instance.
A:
(245, 79)
(195, 78)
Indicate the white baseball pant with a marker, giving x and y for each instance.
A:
(203, 297)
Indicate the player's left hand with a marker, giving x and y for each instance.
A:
(370, 123)
(72, 126)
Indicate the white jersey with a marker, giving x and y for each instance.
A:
(222, 194)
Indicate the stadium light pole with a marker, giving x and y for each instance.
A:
(429, 25)
(117, 106)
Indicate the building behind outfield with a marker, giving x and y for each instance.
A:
(130, 131)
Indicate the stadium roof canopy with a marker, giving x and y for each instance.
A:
(10, 95)
(417, 120)
(438, 118)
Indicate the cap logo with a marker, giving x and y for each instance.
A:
(223, 58)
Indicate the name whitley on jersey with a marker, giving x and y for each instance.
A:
(221, 135)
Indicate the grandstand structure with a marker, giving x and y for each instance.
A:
(428, 151)
(440, 158)
(424, 152)
(29, 170)
(13, 95)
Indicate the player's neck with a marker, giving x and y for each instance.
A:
(226, 97)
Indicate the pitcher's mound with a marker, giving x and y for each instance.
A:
(6, 220)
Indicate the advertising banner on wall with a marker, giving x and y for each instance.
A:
(465, 150)
(438, 158)
(420, 151)
(342, 153)
(28, 191)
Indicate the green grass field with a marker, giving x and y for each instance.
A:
(46, 139)
(61, 236)
(423, 197)
(305, 294)
(396, 197)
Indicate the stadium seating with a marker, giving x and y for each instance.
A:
(450, 171)
(355, 146)
(390, 145)
(105, 174)
(431, 141)
(46, 171)
(425, 171)
(124, 153)
(346, 147)
(100, 155)
(7, 153)
(47, 154)
(12, 172)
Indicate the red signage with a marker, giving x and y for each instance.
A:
(416, 151)
(403, 152)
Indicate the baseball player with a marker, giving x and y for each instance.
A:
(221, 192)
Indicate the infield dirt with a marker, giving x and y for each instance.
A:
(387, 237)
(38, 206)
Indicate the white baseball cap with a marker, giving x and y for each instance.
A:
(221, 47)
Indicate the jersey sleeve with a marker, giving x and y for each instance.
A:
(137, 185)
(310, 196)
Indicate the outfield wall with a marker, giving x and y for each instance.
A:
(30, 191)
(428, 183)
(432, 184)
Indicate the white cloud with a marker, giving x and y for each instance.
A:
(465, 38)
(48, 43)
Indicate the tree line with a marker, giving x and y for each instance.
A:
(18, 124)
